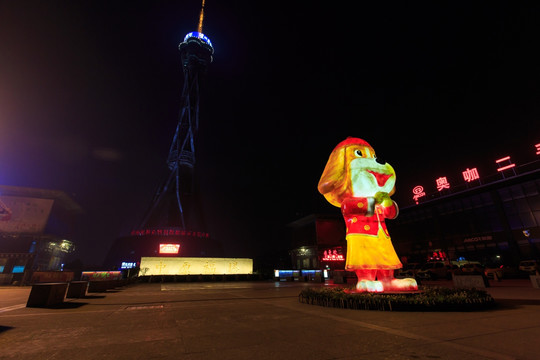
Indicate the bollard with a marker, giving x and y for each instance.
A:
(47, 294)
(77, 289)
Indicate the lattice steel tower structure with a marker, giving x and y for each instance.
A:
(174, 223)
(176, 202)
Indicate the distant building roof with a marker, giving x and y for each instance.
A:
(61, 198)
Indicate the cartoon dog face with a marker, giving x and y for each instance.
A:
(353, 170)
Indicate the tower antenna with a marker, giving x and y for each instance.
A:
(201, 18)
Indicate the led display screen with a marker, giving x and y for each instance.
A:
(169, 248)
(128, 265)
(18, 269)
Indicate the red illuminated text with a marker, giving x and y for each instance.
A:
(332, 256)
(170, 232)
(506, 166)
(418, 192)
(471, 174)
(438, 255)
(442, 183)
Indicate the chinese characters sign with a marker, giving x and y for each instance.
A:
(418, 192)
(442, 183)
(170, 232)
(505, 167)
(332, 256)
(471, 175)
(195, 266)
(505, 163)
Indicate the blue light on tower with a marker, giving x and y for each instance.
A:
(198, 35)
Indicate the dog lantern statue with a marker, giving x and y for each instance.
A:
(361, 185)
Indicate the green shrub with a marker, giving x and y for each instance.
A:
(428, 299)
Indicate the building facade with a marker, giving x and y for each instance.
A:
(36, 229)
(318, 242)
(497, 222)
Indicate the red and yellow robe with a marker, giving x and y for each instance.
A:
(368, 242)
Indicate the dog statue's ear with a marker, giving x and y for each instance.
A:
(333, 182)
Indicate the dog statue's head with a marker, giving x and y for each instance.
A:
(353, 170)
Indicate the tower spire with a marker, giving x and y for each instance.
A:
(201, 18)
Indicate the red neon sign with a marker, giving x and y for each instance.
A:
(471, 174)
(442, 183)
(438, 255)
(503, 164)
(170, 232)
(169, 248)
(418, 192)
(505, 167)
(332, 256)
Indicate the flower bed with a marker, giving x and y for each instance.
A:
(428, 299)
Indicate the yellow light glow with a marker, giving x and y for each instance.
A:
(195, 266)
(201, 18)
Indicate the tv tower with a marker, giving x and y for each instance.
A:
(175, 219)
(175, 203)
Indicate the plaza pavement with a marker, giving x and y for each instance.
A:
(261, 320)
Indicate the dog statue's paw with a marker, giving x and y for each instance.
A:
(407, 284)
(369, 286)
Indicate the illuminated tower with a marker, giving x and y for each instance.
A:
(174, 219)
(176, 202)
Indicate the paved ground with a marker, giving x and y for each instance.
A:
(261, 320)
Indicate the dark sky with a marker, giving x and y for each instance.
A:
(90, 93)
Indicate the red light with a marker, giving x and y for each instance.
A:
(506, 167)
(442, 183)
(418, 192)
(332, 256)
(169, 232)
(169, 248)
(471, 174)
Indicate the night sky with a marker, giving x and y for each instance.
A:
(90, 94)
